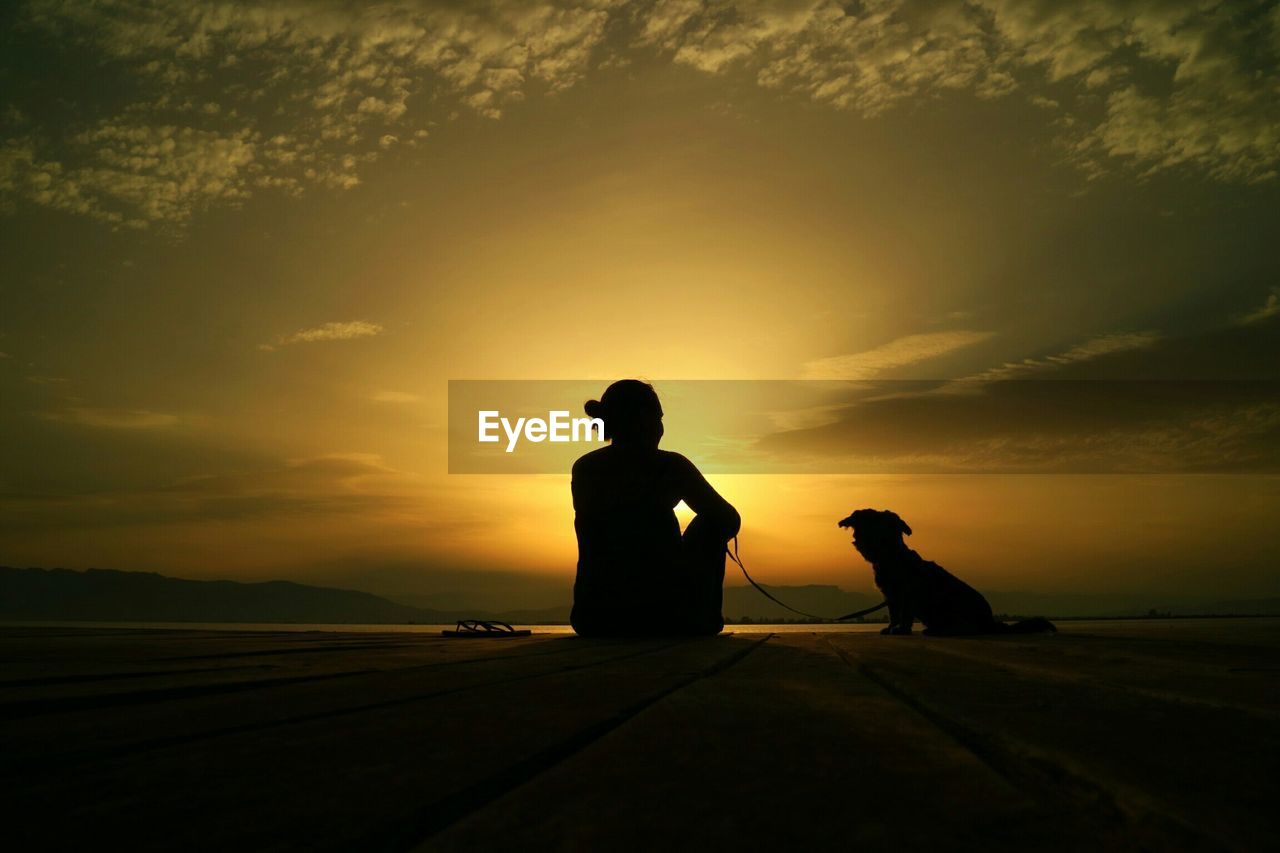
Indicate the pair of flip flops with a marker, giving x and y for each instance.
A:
(487, 628)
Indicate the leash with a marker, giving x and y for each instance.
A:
(733, 555)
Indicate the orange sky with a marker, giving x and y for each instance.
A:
(241, 267)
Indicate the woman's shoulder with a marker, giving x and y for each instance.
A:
(677, 461)
(604, 460)
(591, 460)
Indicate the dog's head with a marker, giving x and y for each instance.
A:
(876, 533)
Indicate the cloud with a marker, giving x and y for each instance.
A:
(1182, 85)
(1191, 85)
(327, 332)
(1136, 402)
(338, 484)
(395, 397)
(15, 159)
(897, 353)
(133, 174)
(1269, 309)
(215, 102)
(106, 418)
(1048, 426)
(1093, 348)
(863, 59)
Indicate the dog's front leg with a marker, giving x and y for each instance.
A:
(900, 619)
(893, 616)
(906, 616)
(901, 627)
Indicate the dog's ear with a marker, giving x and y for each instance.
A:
(897, 523)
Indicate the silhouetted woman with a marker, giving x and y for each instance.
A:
(636, 573)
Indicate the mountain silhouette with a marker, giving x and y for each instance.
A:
(103, 595)
(107, 596)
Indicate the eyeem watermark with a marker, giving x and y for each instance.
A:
(964, 426)
(558, 427)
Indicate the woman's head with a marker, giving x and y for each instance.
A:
(630, 411)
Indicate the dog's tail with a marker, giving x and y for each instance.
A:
(1034, 625)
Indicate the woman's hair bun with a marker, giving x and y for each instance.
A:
(594, 409)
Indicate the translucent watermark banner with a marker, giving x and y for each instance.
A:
(887, 427)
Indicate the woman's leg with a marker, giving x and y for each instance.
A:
(703, 552)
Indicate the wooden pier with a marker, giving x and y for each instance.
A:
(1150, 734)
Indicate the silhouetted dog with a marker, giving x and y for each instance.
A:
(916, 588)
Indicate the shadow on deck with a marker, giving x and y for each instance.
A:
(1141, 735)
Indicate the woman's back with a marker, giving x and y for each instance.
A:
(628, 536)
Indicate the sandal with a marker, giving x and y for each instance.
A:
(484, 628)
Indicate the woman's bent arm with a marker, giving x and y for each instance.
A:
(705, 501)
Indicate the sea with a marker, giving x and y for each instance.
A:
(298, 627)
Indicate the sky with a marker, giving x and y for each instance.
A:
(245, 246)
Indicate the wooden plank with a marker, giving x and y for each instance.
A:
(787, 750)
(66, 653)
(1217, 673)
(1152, 735)
(232, 663)
(132, 722)
(1200, 770)
(360, 780)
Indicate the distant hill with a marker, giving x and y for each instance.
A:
(1241, 607)
(100, 595)
(823, 600)
(1123, 605)
(540, 616)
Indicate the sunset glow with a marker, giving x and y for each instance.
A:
(246, 248)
